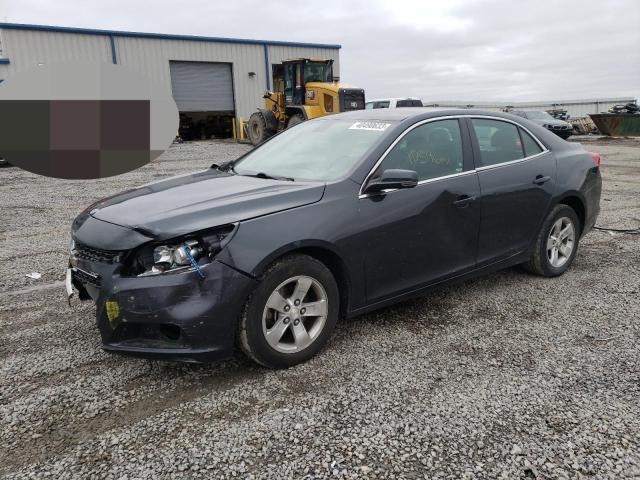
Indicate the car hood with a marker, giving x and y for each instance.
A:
(201, 200)
(553, 121)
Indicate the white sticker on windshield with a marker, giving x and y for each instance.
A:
(377, 126)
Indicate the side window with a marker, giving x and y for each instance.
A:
(409, 103)
(432, 150)
(531, 147)
(381, 104)
(368, 106)
(499, 141)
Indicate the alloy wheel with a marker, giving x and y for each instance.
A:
(295, 314)
(561, 242)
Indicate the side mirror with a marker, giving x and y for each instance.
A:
(392, 179)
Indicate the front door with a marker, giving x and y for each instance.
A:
(416, 236)
(517, 180)
(293, 86)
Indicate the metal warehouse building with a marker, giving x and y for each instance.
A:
(575, 108)
(211, 79)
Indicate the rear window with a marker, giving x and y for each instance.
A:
(409, 103)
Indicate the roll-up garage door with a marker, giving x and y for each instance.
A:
(202, 86)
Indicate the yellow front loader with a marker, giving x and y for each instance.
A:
(302, 89)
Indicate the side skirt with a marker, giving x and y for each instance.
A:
(515, 259)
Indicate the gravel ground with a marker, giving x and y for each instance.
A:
(504, 377)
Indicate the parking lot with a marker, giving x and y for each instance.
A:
(508, 376)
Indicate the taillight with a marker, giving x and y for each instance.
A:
(595, 157)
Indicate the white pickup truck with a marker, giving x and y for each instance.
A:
(393, 103)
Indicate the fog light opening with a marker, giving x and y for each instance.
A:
(172, 332)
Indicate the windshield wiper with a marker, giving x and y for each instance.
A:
(269, 177)
(224, 166)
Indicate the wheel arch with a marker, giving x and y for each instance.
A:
(325, 253)
(577, 203)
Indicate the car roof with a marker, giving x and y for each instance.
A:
(403, 113)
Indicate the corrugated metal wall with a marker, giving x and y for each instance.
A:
(575, 108)
(152, 56)
(26, 48)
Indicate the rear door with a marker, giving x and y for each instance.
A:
(517, 181)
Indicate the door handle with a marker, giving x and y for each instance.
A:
(463, 201)
(541, 179)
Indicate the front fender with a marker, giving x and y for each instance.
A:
(323, 229)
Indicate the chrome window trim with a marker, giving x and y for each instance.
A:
(421, 182)
(467, 172)
(510, 162)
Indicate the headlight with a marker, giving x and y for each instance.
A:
(180, 255)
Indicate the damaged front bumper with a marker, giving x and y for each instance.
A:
(173, 316)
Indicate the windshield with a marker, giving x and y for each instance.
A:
(538, 115)
(321, 150)
(317, 72)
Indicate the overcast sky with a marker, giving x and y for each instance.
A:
(482, 50)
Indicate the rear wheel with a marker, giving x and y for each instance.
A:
(291, 314)
(295, 120)
(557, 243)
(258, 129)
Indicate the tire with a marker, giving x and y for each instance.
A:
(288, 344)
(257, 129)
(542, 261)
(294, 120)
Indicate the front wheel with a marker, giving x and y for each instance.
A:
(291, 314)
(257, 128)
(557, 243)
(296, 119)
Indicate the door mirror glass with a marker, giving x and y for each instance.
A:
(392, 179)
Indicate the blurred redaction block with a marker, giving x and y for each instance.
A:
(76, 138)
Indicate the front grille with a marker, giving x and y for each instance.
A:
(351, 99)
(96, 254)
(86, 277)
(148, 335)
